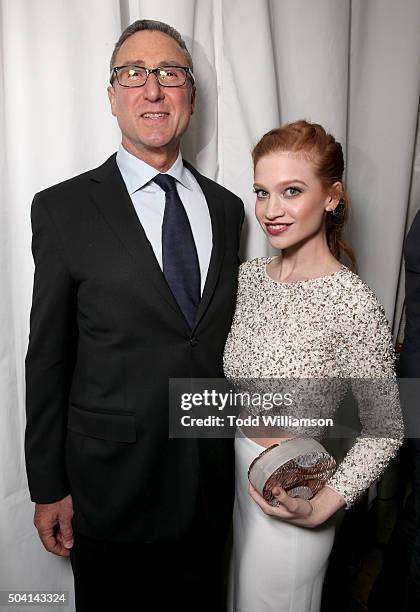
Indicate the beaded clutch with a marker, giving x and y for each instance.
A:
(301, 466)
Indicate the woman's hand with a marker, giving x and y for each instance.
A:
(301, 512)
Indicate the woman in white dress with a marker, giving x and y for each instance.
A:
(303, 314)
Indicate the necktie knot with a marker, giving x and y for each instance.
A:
(165, 182)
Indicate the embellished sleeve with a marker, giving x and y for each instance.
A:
(367, 358)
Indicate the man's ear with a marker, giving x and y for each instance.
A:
(111, 97)
(193, 92)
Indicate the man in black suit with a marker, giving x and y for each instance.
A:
(135, 280)
(398, 584)
(409, 367)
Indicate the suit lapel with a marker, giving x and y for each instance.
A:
(110, 196)
(217, 217)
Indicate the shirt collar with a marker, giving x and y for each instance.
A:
(136, 173)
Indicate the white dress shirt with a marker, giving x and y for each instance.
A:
(149, 203)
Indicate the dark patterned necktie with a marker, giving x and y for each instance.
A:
(179, 255)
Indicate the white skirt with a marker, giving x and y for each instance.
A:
(277, 567)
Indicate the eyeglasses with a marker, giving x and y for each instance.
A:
(136, 76)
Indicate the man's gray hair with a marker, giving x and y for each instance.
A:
(157, 26)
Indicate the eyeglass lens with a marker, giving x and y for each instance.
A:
(134, 76)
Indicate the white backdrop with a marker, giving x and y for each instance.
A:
(352, 65)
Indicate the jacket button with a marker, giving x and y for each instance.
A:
(193, 341)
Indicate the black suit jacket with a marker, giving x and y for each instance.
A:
(106, 335)
(409, 366)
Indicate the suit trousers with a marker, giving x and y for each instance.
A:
(186, 574)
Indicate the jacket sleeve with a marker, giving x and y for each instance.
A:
(49, 361)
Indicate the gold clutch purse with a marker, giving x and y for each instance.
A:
(301, 466)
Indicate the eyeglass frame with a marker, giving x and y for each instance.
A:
(149, 71)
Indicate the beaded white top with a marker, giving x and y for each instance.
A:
(332, 327)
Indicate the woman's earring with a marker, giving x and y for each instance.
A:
(334, 211)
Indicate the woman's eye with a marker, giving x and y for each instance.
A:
(292, 191)
(260, 193)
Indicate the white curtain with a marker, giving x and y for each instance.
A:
(352, 65)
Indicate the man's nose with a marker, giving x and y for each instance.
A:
(152, 90)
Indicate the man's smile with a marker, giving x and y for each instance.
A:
(154, 115)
